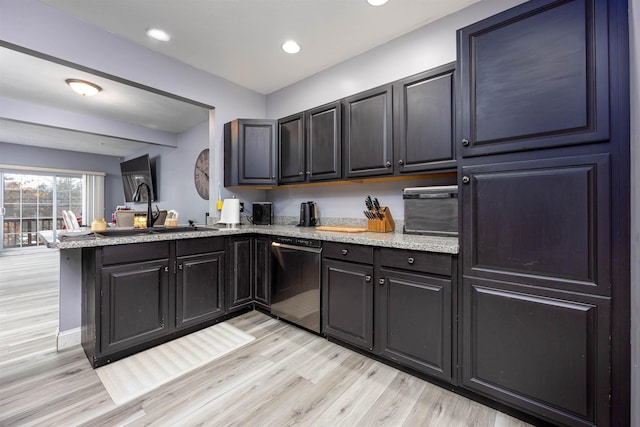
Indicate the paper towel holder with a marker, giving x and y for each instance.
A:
(230, 214)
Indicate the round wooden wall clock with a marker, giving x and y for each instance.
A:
(201, 174)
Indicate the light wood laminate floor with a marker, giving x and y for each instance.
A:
(287, 376)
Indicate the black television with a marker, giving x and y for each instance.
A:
(134, 172)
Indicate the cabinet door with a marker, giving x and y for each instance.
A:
(542, 222)
(423, 125)
(291, 149)
(368, 133)
(199, 288)
(250, 152)
(135, 304)
(324, 142)
(414, 321)
(515, 97)
(347, 306)
(241, 272)
(262, 280)
(541, 351)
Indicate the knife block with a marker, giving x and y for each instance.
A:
(384, 225)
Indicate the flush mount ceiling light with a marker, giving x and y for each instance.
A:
(83, 88)
(158, 34)
(291, 47)
(376, 2)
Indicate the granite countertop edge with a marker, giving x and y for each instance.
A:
(396, 240)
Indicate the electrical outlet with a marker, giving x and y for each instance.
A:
(241, 207)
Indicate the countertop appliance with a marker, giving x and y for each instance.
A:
(295, 281)
(431, 210)
(262, 213)
(309, 214)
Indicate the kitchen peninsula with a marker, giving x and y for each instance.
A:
(71, 255)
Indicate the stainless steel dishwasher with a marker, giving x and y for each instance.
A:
(295, 281)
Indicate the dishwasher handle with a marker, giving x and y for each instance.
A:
(296, 247)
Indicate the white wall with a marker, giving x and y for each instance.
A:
(634, 28)
(34, 25)
(425, 48)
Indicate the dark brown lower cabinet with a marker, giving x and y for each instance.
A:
(139, 295)
(414, 321)
(249, 272)
(239, 288)
(541, 350)
(347, 294)
(262, 283)
(199, 288)
(135, 304)
(399, 307)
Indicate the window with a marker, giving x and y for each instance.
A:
(30, 199)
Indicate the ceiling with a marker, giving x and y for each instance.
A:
(238, 40)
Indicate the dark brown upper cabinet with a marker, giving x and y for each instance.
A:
(310, 145)
(534, 80)
(423, 121)
(368, 133)
(291, 149)
(250, 152)
(324, 142)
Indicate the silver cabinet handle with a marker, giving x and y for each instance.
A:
(344, 251)
(465, 142)
(387, 165)
(166, 269)
(401, 162)
(465, 180)
(381, 281)
(410, 260)
(367, 278)
(308, 172)
(180, 266)
(300, 173)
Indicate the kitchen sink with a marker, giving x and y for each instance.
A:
(123, 232)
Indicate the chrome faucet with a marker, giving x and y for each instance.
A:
(151, 219)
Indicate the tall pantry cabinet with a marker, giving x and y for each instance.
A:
(543, 170)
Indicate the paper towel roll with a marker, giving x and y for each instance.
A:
(230, 212)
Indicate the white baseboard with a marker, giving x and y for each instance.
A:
(68, 338)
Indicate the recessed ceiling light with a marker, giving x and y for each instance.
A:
(82, 87)
(376, 2)
(291, 47)
(158, 34)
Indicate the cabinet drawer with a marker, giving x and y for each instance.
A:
(135, 252)
(199, 246)
(347, 252)
(426, 262)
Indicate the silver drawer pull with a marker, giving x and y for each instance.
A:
(166, 269)
(410, 260)
(344, 252)
(367, 278)
(381, 281)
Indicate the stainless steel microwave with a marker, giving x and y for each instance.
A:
(431, 210)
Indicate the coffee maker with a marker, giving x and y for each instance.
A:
(308, 214)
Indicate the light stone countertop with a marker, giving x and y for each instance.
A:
(391, 240)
